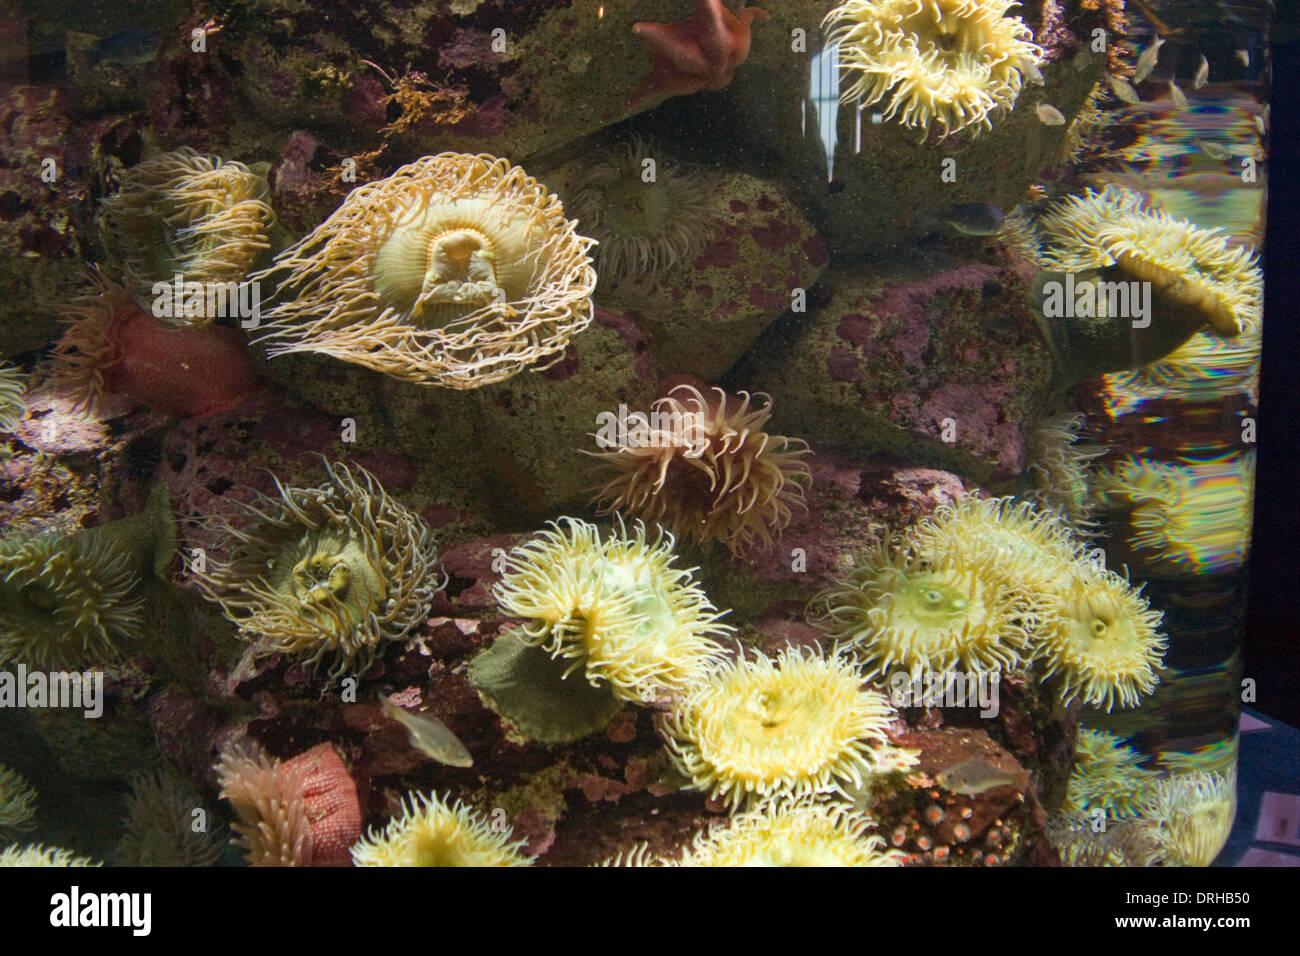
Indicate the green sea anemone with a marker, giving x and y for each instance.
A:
(431, 832)
(794, 833)
(71, 600)
(614, 605)
(327, 572)
(38, 855)
(951, 63)
(644, 223)
(799, 725)
(12, 389)
(159, 825)
(456, 270)
(17, 803)
(929, 612)
(189, 214)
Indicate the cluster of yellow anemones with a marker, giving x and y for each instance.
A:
(456, 270)
(952, 63)
(327, 572)
(644, 224)
(793, 833)
(431, 832)
(614, 605)
(183, 212)
(800, 725)
(707, 471)
(1187, 263)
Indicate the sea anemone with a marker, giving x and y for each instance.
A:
(800, 725)
(431, 832)
(1191, 816)
(1107, 775)
(1185, 519)
(617, 606)
(112, 346)
(1187, 265)
(38, 855)
(17, 803)
(954, 63)
(793, 833)
(456, 270)
(188, 214)
(1104, 640)
(1082, 840)
(645, 223)
(299, 812)
(1059, 466)
(929, 612)
(705, 469)
(159, 825)
(326, 572)
(12, 389)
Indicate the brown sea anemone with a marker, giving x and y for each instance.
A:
(1103, 640)
(794, 833)
(159, 826)
(615, 606)
(328, 572)
(953, 63)
(799, 725)
(188, 214)
(456, 270)
(431, 832)
(936, 612)
(647, 212)
(704, 468)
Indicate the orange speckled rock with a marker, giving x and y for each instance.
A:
(332, 809)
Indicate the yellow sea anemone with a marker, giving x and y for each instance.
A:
(645, 222)
(38, 855)
(704, 468)
(1104, 640)
(1185, 263)
(1082, 840)
(325, 572)
(17, 803)
(186, 213)
(1186, 519)
(273, 829)
(1059, 465)
(431, 832)
(933, 612)
(800, 725)
(1107, 775)
(12, 389)
(954, 63)
(456, 270)
(159, 825)
(1191, 816)
(617, 606)
(790, 833)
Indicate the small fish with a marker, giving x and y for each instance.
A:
(973, 777)
(1147, 61)
(1031, 71)
(1215, 150)
(429, 735)
(1202, 73)
(974, 219)
(1177, 95)
(1244, 57)
(1049, 115)
(128, 48)
(1123, 89)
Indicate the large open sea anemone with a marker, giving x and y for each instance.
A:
(799, 725)
(951, 63)
(432, 832)
(326, 573)
(456, 270)
(189, 214)
(707, 471)
(644, 224)
(614, 605)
